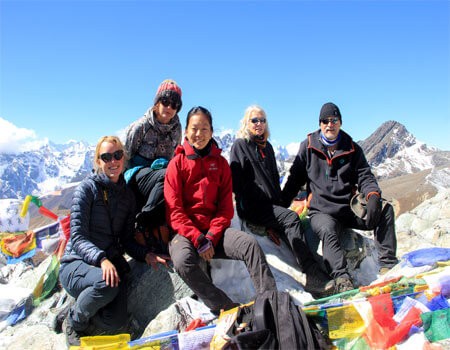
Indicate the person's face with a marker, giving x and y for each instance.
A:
(108, 162)
(256, 124)
(330, 127)
(165, 110)
(198, 131)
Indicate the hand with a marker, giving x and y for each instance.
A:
(273, 235)
(153, 259)
(373, 211)
(110, 275)
(206, 251)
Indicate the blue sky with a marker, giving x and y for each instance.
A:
(83, 69)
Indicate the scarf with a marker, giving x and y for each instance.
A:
(327, 142)
(261, 141)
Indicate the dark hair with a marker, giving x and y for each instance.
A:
(197, 110)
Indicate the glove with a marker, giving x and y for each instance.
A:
(159, 163)
(373, 211)
(205, 246)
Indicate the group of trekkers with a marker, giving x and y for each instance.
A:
(161, 200)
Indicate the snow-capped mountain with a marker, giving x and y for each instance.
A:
(47, 169)
(391, 150)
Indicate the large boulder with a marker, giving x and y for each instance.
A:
(151, 291)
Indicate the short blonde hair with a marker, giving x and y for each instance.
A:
(243, 131)
(111, 139)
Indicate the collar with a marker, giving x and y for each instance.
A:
(189, 151)
(345, 143)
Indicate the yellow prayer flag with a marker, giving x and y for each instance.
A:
(344, 322)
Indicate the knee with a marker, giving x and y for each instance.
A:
(184, 265)
(108, 292)
(247, 240)
(326, 233)
(292, 220)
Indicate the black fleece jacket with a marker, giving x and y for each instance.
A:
(256, 182)
(331, 181)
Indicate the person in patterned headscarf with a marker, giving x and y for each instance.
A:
(151, 142)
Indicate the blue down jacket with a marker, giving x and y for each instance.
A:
(102, 222)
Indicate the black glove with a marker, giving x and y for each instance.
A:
(373, 211)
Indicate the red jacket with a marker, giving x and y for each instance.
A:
(198, 194)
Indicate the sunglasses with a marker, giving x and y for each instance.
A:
(258, 120)
(166, 102)
(326, 121)
(107, 157)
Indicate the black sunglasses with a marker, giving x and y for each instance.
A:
(167, 101)
(107, 157)
(333, 121)
(256, 120)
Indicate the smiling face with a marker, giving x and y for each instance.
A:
(330, 127)
(114, 167)
(198, 131)
(256, 123)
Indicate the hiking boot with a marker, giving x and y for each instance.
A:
(62, 314)
(318, 283)
(344, 284)
(72, 336)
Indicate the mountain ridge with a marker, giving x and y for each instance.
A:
(391, 151)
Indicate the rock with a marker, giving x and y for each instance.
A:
(152, 294)
(150, 291)
(427, 225)
(32, 337)
(233, 278)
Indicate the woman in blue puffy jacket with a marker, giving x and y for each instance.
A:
(93, 268)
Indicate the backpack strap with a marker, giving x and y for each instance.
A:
(307, 328)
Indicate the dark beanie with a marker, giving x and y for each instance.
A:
(169, 88)
(330, 110)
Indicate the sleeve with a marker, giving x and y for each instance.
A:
(367, 182)
(80, 216)
(173, 195)
(133, 137)
(297, 176)
(237, 164)
(225, 211)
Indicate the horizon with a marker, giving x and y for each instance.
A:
(36, 145)
(78, 70)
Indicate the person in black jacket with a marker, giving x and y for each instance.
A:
(333, 167)
(256, 184)
(93, 269)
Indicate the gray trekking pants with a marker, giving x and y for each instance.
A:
(236, 245)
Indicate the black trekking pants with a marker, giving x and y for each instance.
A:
(329, 228)
(286, 222)
(148, 187)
